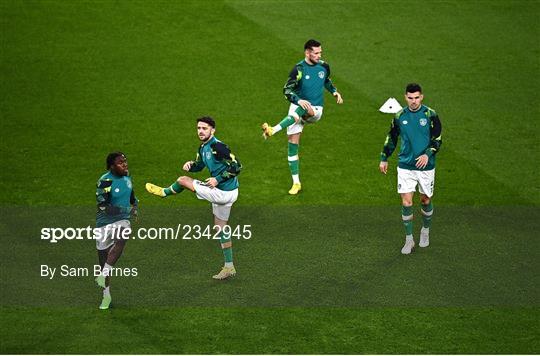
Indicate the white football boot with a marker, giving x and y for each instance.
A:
(424, 237)
(408, 247)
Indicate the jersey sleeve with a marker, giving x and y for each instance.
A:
(390, 143)
(197, 165)
(133, 199)
(103, 198)
(435, 130)
(293, 82)
(103, 191)
(224, 155)
(327, 81)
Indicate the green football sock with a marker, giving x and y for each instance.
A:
(407, 216)
(227, 251)
(300, 111)
(294, 163)
(289, 120)
(427, 214)
(175, 188)
(286, 122)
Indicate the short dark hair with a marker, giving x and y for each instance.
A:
(208, 120)
(112, 157)
(311, 43)
(413, 88)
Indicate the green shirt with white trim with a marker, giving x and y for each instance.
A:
(420, 133)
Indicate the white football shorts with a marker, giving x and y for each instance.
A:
(408, 179)
(105, 238)
(298, 127)
(221, 200)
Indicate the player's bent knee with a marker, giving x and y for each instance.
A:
(183, 180)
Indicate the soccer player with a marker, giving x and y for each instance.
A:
(304, 89)
(116, 205)
(420, 130)
(221, 189)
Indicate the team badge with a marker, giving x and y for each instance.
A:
(321, 74)
(117, 190)
(307, 76)
(405, 122)
(208, 155)
(423, 122)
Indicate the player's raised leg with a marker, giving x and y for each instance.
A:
(407, 218)
(292, 118)
(228, 269)
(177, 187)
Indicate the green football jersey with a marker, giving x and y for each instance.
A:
(115, 197)
(420, 133)
(307, 82)
(221, 163)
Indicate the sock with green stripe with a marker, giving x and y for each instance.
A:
(175, 188)
(226, 247)
(427, 214)
(288, 120)
(407, 217)
(294, 161)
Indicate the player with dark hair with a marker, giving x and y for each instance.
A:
(221, 189)
(420, 130)
(304, 89)
(116, 205)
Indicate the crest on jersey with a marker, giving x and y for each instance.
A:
(307, 77)
(117, 190)
(321, 74)
(423, 122)
(208, 154)
(405, 122)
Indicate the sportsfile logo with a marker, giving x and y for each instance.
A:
(116, 232)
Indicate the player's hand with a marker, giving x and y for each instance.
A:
(339, 99)
(187, 166)
(211, 182)
(306, 105)
(383, 167)
(422, 161)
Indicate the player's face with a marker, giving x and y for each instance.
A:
(414, 100)
(204, 131)
(313, 55)
(120, 166)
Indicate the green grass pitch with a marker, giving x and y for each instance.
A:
(322, 272)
